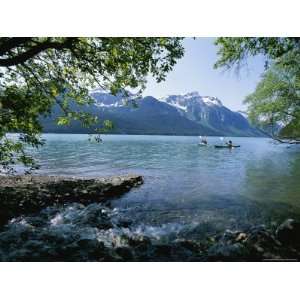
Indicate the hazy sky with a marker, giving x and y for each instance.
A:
(195, 72)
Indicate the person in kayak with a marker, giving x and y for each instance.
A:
(229, 144)
(204, 140)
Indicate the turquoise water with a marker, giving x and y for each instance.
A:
(184, 182)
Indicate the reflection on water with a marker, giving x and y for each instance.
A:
(185, 183)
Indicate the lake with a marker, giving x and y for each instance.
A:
(184, 182)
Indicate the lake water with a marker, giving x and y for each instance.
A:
(184, 182)
(190, 192)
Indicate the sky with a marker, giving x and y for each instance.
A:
(195, 72)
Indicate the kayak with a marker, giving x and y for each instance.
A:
(226, 146)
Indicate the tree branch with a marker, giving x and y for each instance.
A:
(35, 50)
(11, 43)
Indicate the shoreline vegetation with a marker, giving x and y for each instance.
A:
(25, 195)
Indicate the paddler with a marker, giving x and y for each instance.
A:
(204, 141)
(229, 144)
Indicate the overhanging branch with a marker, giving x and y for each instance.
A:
(35, 50)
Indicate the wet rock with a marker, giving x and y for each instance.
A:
(254, 244)
(28, 194)
(125, 223)
(188, 244)
(241, 237)
(125, 253)
(93, 215)
(227, 252)
(87, 243)
(260, 236)
(34, 245)
(288, 233)
(163, 250)
(261, 244)
(37, 221)
(142, 243)
(95, 232)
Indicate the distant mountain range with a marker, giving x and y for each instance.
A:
(189, 114)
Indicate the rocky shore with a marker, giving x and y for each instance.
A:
(259, 243)
(50, 218)
(28, 194)
(97, 233)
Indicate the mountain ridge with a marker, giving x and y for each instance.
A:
(185, 114)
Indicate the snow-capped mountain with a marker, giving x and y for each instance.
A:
(105, 99)
(209, 111)
(187, 101)
(187, 114)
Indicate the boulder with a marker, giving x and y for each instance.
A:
(140, 243)
(125, 253)
(288, 233)
(227, 252)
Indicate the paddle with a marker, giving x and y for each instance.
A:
(222, 139)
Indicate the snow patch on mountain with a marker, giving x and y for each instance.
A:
(177, 105)
(104, 99)
(243, 113)
(183, 101)
(99, 104)
(211, 100)
(174, 101)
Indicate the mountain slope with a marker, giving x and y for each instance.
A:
(210, 112)
(188, 114)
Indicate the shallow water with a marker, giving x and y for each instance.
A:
(189, 191)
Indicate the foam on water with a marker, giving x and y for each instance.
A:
(55, 228)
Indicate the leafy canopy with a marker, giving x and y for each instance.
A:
(277, 96)
(233, 52)
(36, 73)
